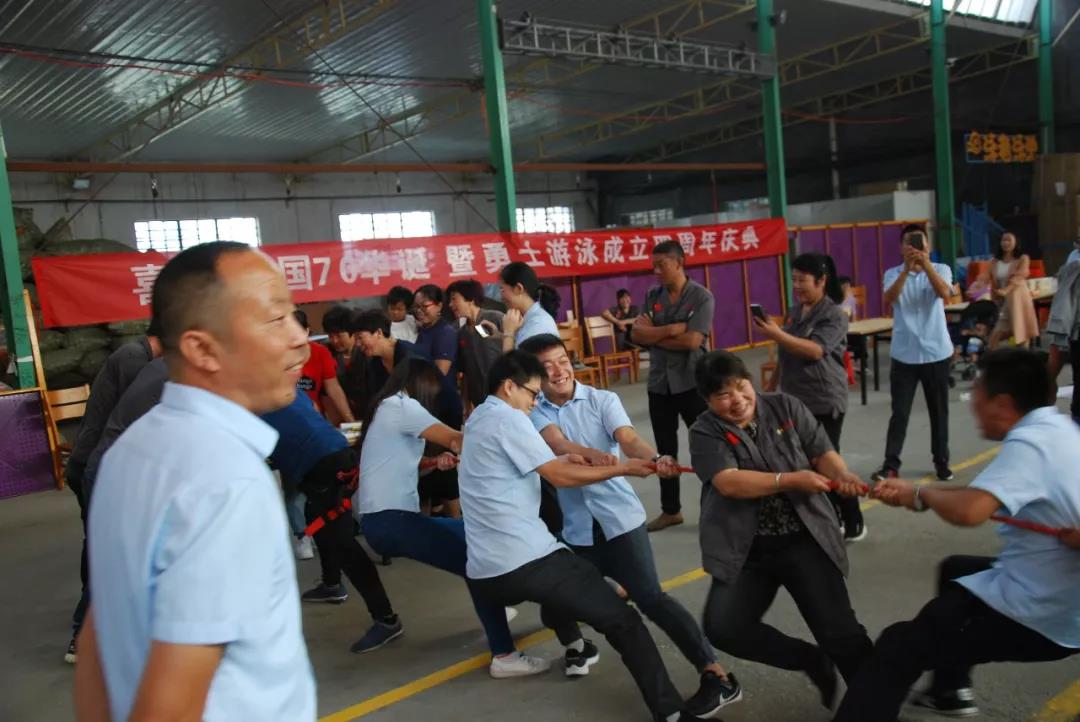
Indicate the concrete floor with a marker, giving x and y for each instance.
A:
(892, 577)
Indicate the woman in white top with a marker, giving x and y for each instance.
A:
(392, 444)
(531, 305)
(1008, 282)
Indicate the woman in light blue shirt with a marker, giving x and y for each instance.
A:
(532, 305)
(399, 424)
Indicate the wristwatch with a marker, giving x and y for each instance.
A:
(917, 502)
(657, 458)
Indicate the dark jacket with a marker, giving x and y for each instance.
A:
(788, 438)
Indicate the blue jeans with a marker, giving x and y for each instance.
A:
(439, 543)
(628, 559)
(294, 510)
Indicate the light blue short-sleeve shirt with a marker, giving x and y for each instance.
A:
(536, 321)
(500, 490)
(391, 455)
(920, 334)
(1036, 477)
(591, 418)
(189, 545)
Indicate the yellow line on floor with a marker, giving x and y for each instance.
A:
(480, 661)
(1063, 708)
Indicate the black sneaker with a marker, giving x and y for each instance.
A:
(953, 703)
(714, 693)
(858, 533)
(69, 656)
(824, 678)
(944, 473)
(322, 593)
(578, 663)
(882, 474)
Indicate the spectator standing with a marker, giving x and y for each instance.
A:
(320, 376)
(478, 348)
(622, 316)
(399, 303)
(811, 345)
(677, 319)
(921, 349)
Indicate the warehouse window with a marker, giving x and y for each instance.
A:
(1005, 11)
(650, 218)
(171, 236)
(555, 219)
(365, 226)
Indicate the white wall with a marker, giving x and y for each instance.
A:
(897, 206)
(311, 214)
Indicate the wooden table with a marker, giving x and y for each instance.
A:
(861, 330)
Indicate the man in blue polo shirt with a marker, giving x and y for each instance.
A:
(198, 615)
(921, 350)
(512, 557)
(605, 522)
(1021, 606)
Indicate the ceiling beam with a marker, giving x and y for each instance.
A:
(832, 104)
(287, 44)
(296, 169)
(956, 19)
(684, 18)
(720, 96)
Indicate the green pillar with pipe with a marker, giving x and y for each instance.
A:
(773, 130)
(947, 240)
(14, 310)
(498, 122)
(1046, 77)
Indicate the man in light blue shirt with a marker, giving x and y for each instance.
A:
(605, 522)
(1021, 606)
(921, 350)
(197, 614)
(512, 557)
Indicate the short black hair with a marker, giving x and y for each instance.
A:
(912, 228)
(622, 292)
(301, 318)
(187, 292)
(717, 369)
(670, 248)
(844, 279)
(537, 345)
(399, 294)
(371, 321)
(1019, 373)
(432, 292)
(516, 365)
(470, 290)
(339, 319)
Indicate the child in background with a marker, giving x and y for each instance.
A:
(399, 303)
(848, 305)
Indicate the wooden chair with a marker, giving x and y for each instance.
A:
(597, 327)
(770, 366)
(575, 346)
(68, 403)
(859, 292)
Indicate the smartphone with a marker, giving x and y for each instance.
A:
(916, 241)
(481, 331)
(758, 311)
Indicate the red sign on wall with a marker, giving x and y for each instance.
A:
(78, 290)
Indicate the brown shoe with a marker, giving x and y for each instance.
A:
(664, 521)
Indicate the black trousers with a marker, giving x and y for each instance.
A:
(734, 611)
(664, 413)
(1074, 360)
(846, 507)
(338, 549)
(73, 477)
(571, 589)
(953, 632)
(903, 378)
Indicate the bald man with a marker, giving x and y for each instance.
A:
(197, 614)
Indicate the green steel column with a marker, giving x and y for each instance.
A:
(18, 334)
(1046, 77)
(498, 123)
(946, 204)
(772, 125)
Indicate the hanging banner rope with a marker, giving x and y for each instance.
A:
(79, 290)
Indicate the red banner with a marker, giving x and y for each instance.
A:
(98, 288)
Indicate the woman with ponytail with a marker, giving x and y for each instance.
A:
(531, 305)
(811, 346)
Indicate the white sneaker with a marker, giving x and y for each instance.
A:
(303, 548)
(517, 665)
(511, 614)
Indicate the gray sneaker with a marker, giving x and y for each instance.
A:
(380, 634)
(322, 593)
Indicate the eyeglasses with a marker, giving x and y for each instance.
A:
(534, 392)
(418, 306)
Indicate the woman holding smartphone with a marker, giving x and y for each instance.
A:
(479, 344)
(811, 347)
